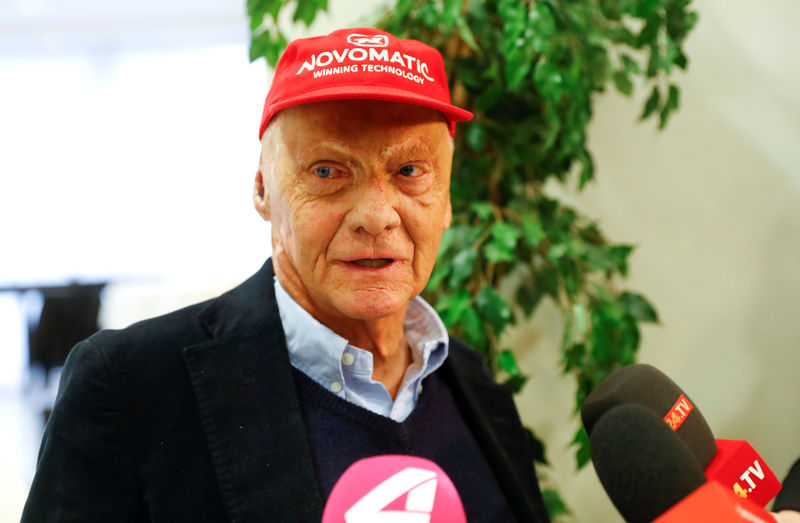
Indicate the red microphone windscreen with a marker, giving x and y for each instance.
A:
(738, 467)
(394, 489)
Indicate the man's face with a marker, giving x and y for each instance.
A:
(358, 196)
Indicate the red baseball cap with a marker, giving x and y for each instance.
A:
(360, 64)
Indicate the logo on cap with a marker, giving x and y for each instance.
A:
(362, 40)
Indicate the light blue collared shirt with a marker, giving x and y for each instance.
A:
(346, 371)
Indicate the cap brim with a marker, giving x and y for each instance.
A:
(368, 92)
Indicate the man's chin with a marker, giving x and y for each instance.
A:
(372, 305)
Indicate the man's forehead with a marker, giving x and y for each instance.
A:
(404, 125)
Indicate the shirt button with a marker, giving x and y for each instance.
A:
(348, 358)
(336, 386)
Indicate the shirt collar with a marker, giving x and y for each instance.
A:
(313, 348)
(317, 351)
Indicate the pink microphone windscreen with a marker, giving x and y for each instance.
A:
(394, 489)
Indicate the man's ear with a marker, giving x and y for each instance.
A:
(261, 196)
(448, 214)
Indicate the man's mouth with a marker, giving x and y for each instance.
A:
(373, 263)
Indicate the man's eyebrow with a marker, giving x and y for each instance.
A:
(411, 147)
(328, 146)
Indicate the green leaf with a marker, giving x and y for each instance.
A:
(571, 274)
(261, 8)
(599, 258)
(652, 103)
(669, 107)
(475, 136)
(579, 313)
(587, 167)
(493, 308)
(507, 362)
(473, 328)
(654, 60)
(674, 95)
(256, 19)
(630, 65)
(619, 254)
(548, 282)
(440, 272)
(466, 34)
(490, 97)
(484, 210)
(681, 60)
(463, 263)
(536, 447)
(516, 383)
(574, 356)
(498, 253)
(528, 295)
(306, 11)
(518, 64)
(505, 234)
(637, 306)
(269, 45)
(623, 83)
(451, 13)
(532, 231)
(557, 251)
(548, 79)
(649, 32)
(582, 453)
(452, 307)
(429, 14)
(555, 505)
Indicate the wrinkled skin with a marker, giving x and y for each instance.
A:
(358, 196)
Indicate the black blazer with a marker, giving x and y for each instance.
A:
(194, 416)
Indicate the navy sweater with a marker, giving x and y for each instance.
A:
(341, 433)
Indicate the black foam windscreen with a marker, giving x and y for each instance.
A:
(789, 496)
(643, 465)
(645, 385)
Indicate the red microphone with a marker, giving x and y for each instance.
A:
(738, 467)
(713, 503)
(394, 489)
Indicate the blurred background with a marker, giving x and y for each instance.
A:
(128, 146)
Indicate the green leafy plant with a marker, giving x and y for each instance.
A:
(530, 70)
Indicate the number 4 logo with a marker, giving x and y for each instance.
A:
(418, 484)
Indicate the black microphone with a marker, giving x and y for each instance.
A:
(643, 466)
(647, 386)
(789, 497)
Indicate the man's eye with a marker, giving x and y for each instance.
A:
(409, 170)
(323, 172)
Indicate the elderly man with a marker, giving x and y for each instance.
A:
(249, 407)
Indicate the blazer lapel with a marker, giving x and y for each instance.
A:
(492, 417)
(249, 408)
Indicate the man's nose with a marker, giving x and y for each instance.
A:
(374, 209)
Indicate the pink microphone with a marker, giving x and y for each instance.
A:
(394, 489)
